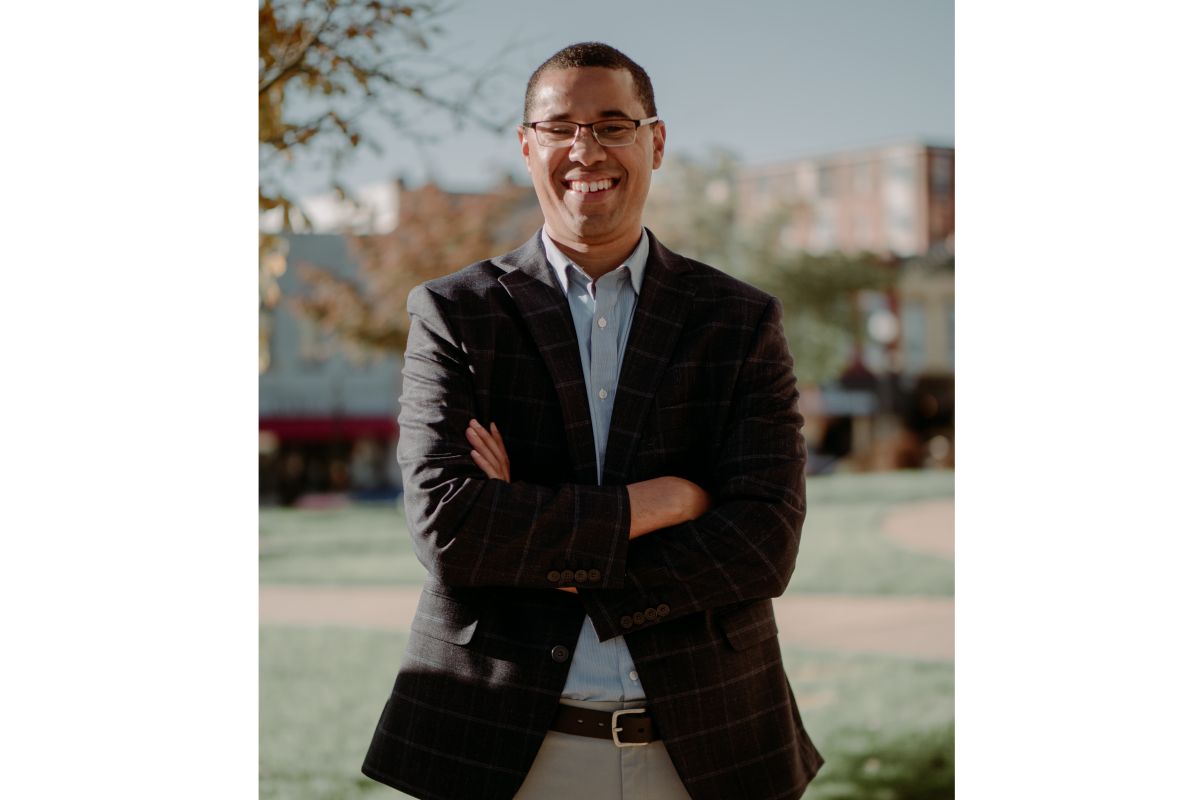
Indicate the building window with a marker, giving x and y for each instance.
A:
(900, 171)
(825, 180)
(950, 331)
(912, 329)
(314, 343)
(943, 173)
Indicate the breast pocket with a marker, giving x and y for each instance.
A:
(445, 618)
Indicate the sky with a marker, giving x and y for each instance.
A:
(767, 80)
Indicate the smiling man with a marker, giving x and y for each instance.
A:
(604, 477)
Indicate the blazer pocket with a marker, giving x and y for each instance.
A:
(445, 618)
(747, 625)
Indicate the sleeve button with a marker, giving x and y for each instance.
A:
(581, 575)
(594, 576)
(663, 610)
(638, 618)
(626, 621)
(553, 576)
(651, 613)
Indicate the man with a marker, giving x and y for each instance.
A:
(604, 477)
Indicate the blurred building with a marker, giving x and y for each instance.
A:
(327, 411)
(328, 407)
(893, 406)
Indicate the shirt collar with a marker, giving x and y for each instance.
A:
(636, 262)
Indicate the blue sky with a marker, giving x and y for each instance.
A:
(767, 80)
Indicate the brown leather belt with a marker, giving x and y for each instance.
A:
(627, 727)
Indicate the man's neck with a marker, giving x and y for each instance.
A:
(597, 259)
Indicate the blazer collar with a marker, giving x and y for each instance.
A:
(662, 308)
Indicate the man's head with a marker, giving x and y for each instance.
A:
(587, 83)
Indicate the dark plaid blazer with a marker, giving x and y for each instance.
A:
(706, 392)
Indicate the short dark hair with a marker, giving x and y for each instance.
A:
(594, 54)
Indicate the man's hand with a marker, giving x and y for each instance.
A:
(663, 502)
(489, 452)
(492, 458)
(653, 504)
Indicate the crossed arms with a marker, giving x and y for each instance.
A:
(652, 543)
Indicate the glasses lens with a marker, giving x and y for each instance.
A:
(615, 133)
(555, 134)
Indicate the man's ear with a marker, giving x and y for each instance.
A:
(522, 132)
(660, 142)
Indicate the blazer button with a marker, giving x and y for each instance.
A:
(581, 575)
(560, 653)
(626, 621)
(652, 613)
(594, 576)
(638, 618)
(553, 576)
(663, 610)
(567, 576)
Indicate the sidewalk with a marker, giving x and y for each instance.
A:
(918, 627)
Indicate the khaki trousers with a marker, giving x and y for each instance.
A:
(570, 767)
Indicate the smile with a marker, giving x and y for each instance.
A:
(588, 187)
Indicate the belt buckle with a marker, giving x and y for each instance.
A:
(615, 730)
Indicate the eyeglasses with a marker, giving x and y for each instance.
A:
(608, 132)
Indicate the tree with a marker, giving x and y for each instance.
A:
(437, 233)
(692, 202)
(696, 204)
(325, 68)
(328, 66)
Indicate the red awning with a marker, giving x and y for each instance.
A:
(329, 428)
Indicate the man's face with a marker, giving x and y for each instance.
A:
(589, 94)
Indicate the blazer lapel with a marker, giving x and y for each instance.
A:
(662, 308)
(530, 282)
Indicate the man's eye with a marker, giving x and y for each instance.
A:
(558, 130)
(612, 129)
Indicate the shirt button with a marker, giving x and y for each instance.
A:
(633, 675)
(603, 393)
(602, 322)
(560, 653)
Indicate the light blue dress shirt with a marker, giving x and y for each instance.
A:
(602, 310)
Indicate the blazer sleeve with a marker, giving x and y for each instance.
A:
(471, 530)
(745, 546)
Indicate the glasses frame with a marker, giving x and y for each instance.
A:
(638, 125)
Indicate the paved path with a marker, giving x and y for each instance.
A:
(920, 627)
(926, 527)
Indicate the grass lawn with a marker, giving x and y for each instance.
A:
(884, 725)
(842, 549)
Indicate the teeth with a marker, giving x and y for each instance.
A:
(591, 186)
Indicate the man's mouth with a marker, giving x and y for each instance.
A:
(591, 187)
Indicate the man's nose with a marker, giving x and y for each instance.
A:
(585, 149)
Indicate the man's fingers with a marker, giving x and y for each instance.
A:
(486, 440)
(499, 441)
(485, 465)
